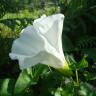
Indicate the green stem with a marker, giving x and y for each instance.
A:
(77, 78)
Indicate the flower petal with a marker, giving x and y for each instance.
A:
(51, 28)
(35, 47)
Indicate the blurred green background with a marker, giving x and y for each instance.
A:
(79, 44)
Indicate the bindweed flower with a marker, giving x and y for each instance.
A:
(41, 43)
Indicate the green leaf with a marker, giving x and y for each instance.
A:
(83, 63)
(58, 92)
(89, 76)
(27, 78)
(23, 81)
(86, 89)
(7, 87)
(91, 53)
(73, 6)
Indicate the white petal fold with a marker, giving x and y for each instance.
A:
(40, 43)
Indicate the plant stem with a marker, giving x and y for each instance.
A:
(77, 79)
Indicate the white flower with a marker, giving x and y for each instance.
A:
(41, 43)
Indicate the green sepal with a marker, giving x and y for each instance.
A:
(66, 71)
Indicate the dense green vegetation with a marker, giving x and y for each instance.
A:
(79, 44)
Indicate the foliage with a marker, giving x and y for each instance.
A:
(79, 45)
